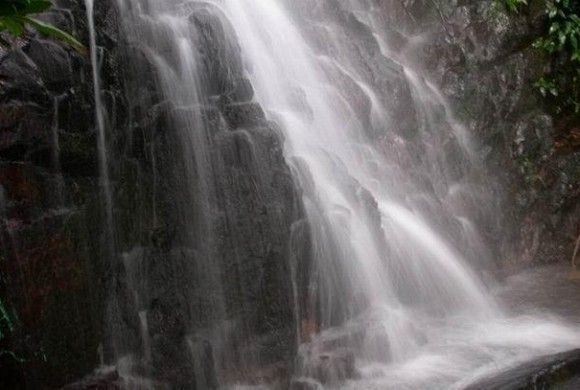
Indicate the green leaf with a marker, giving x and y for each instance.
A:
(54, 32)
(13, 25)
(36, 6)
(562, 38)
(23, 7)
(574, 41)
(9, 9)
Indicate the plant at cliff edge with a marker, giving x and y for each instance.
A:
(15, 17)
(513, 5)
(562, 42)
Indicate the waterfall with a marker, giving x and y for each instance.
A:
(390, 185)
(334, 166)
(384, 258)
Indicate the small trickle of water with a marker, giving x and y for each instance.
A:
(100, 116)
(146, 340)
(56, 152)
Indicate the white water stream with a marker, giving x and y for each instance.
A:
(100, 117)
(385, 263)
(433, 323)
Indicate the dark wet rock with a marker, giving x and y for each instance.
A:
(332, 367)
(198, 250)
(20, 78)
(534, 139)
(58, 75)
(305, 384)
(51, 236)
(104, 379)
(330, 357)
(219, 50)
(243, 114)
(49, 245)
(561, 371)
(243, 91)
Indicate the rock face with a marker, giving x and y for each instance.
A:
(52, 284)
(484, 62)
(135, 293)
(102, 379)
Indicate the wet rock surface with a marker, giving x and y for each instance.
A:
(561, 371)
(106, 379)
(553, 291)
(549, 289)
(81, 291)
(333, 367)
(483, 59)
(242, 317)
(52, 283)
(305, 384)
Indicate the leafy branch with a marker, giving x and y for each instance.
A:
(564, 32)
(514, 5)
(561, 42)
(15, 17)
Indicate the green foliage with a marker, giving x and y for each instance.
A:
(564, 32)
(547, 87)
(15, 16)
(561, 43)
(513, 5)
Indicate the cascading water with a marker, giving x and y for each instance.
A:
(390, 300)
(156, 32)
(337, 170)
(381, 269)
